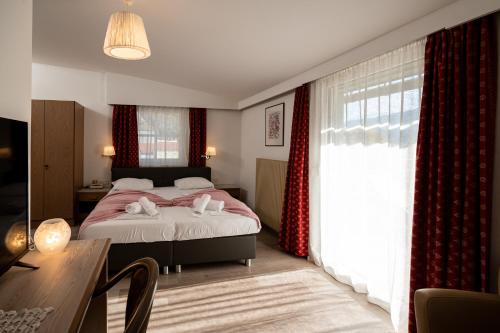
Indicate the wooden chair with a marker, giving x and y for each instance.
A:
(142, 289)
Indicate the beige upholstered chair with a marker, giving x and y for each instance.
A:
(457, 311)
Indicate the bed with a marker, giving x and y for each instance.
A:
(176, 237)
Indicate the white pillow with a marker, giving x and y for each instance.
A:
(192, 183)
(133, 184)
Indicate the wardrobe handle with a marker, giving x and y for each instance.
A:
(46, 166)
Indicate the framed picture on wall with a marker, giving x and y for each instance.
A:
(275, 125)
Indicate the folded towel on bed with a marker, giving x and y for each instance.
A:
(200, 205)
(133, 208)
(148, 206)
(213, 205)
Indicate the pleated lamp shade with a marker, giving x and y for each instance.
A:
(126, 37)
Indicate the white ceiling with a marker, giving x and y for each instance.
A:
(232, 48)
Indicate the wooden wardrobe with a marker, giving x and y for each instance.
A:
(56, 158)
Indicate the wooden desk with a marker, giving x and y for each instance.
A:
(64, 281)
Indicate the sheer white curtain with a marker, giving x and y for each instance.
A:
(363, 145)
(163, 136)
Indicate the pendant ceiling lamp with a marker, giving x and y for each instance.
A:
(126, 37)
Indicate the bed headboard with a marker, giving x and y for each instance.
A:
(163, 176)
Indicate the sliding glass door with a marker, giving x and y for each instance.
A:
(366, 123)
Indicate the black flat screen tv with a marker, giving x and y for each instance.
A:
(13, 192)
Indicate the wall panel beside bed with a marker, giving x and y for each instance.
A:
(270, 190)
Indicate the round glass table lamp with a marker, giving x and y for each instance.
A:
(52, 236)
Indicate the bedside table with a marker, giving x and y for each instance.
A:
(86, 200)
(232, 189)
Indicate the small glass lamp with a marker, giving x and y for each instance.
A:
(211, 151)
(108, 151)
(52, 236)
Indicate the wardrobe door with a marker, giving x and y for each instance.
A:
(59, 136)
(37, 159)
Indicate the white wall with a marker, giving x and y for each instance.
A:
(86, 88)
(253, 143)
(129, 90)
(90, 89)
(224, 133)
(15, 59)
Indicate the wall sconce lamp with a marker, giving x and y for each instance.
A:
(108, 151)
(211, 151)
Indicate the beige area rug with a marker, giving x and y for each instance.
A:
(295, 301)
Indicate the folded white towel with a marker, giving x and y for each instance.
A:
(214, 205)
(133, 208)
(200, 205)
(148, 206)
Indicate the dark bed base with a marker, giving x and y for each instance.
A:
(196, 251)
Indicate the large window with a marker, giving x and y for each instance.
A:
(366, 124)
(163, 136)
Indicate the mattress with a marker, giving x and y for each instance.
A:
(171, 224)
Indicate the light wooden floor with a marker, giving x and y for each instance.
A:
(270, 259)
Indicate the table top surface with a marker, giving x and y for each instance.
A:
(64, 281)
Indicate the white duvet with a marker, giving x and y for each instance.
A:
(172, 223)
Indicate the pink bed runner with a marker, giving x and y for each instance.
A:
(113, 204)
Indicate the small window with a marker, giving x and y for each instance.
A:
(163, 136)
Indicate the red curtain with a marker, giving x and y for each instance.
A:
(294, 229)
(125, 138)
(453, 188)
(197, 136)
